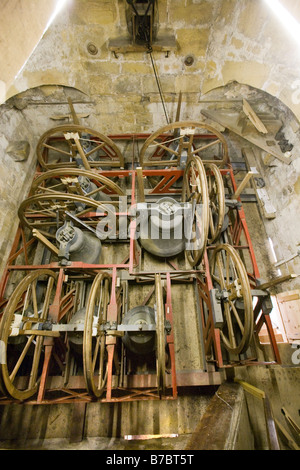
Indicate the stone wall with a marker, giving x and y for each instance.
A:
(22, 25)
(238, 40)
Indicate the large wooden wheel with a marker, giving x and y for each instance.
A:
(216, 194)
(46, 212)
(22, 334)
(94, 338)
(75, 181)
(229, 276)
(160, 336)
(165, 147)
(195, 192)
(74, 145)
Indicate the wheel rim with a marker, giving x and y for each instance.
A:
(95, 351)
(69, 183)
(185, 141)
(229, 275)
(24, 302)
(67, 149)
(216, 194)
(195, 191)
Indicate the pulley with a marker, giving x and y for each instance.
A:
(162, 233)
(77, 245)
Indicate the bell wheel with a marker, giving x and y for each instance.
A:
(195, 192)
(216, 195)
(21, 333)
(75, 181)
(173, 144)
(94, 338)
(77, 146)
(230, 278)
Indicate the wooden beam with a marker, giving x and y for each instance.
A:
(256, 392)
(271, 427)
(78, 421)
(270, 423)
(45, 241)
(218, 427)
(290, 441)
(250, 113)
(139, 173)
(265, 206)
(74, 115)
(279, 280)
(242, 185)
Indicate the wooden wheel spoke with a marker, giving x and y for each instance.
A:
(55, 186)
(216, 278)
(95, 353)
(220, 267)
(231, 333)
(47, 190)
(204, 147)
(63, 152)
(227, 268)
(21, 358)
(35, 362)
(91, 193)
(236, 316)
(102, 368)
(211, 222)
(168, 149)
(34, 300)
(42, 210)
(47, 299)
(99, 147)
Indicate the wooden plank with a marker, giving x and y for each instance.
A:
(230, 120)
(289, 308)
(218, 427)
(279, 280)
(242, 185)
(271, 427)
(72, 109)
(289, 296)
(291, 422)
(60, 117)
(250, 113)
(290, 441)
(265, 206)
(139, 174)
(123, 45)
(256, 392)
(270, 423)
(78, 421)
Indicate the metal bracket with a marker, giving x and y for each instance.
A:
(216, 298)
